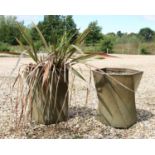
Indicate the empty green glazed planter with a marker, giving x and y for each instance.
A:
(116, 94)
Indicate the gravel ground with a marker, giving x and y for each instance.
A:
(82, 122)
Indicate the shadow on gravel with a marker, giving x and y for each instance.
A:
(143, 115)
(81, 111)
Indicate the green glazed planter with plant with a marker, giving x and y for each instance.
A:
(43, 85)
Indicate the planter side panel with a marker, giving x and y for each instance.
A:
(51, 107)
(116, 104)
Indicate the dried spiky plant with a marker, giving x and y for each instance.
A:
(43, 85)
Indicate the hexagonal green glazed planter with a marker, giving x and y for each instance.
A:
(45, 112)
(116, 94)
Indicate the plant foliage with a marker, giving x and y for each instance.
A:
(39, 80)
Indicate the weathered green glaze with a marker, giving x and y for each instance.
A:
(45, 112)
(116, 93)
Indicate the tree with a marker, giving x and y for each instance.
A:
(119, 34)
(133, 38)
(95, 35)
(70, 26)
(146, 34)
(54, 26)
(106, 44)
(111, 34)
(9, 30)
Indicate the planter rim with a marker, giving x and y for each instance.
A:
(117, 71)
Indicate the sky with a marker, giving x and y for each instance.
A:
(109, 23)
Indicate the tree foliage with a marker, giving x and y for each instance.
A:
(106, 44)
(54, 26)
(95, 35)
(119, 34)
(146, 34)
(8, 29)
